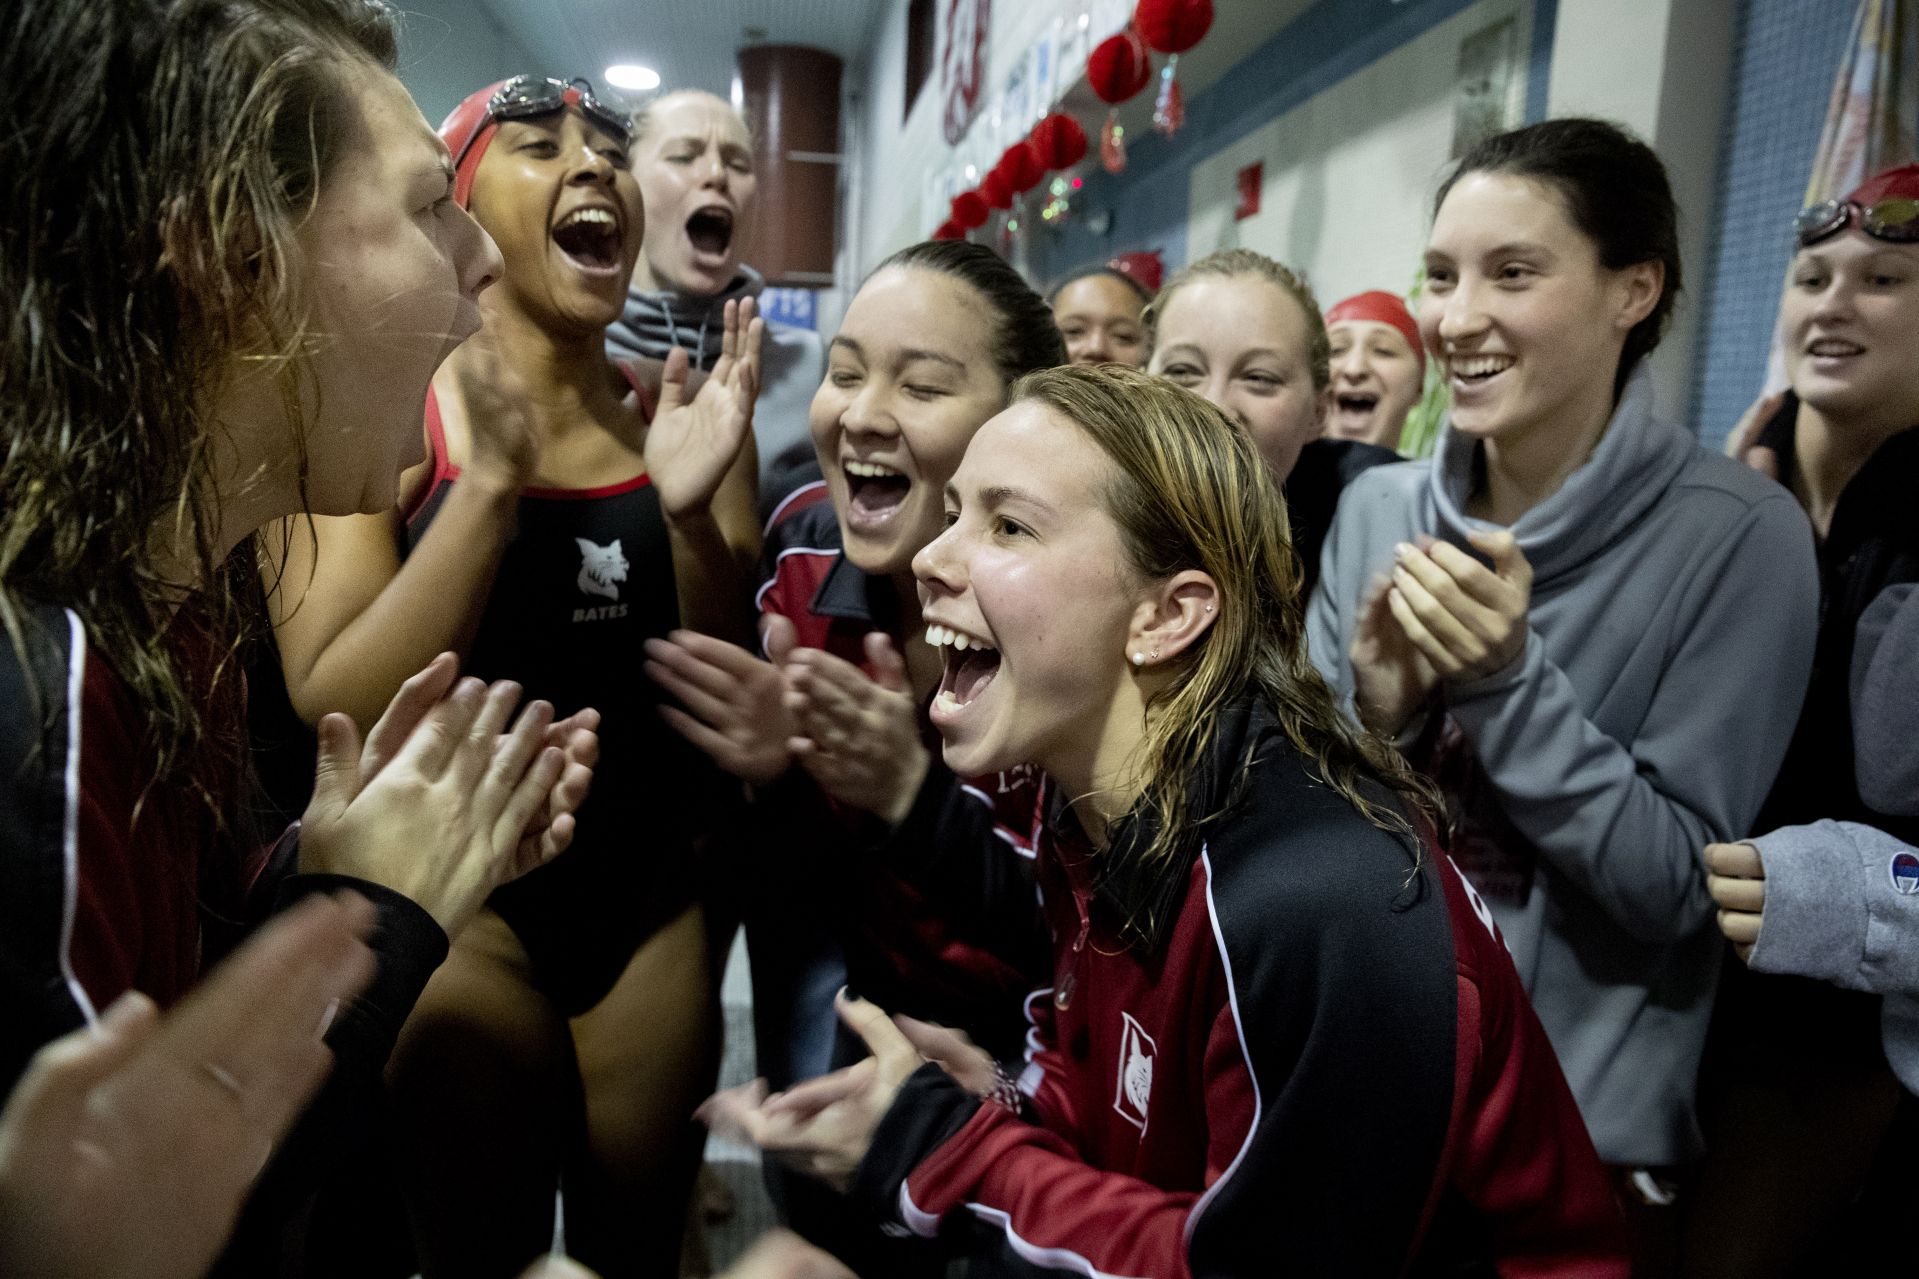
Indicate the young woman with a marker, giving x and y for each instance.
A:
(1379, 368)
(1798, 1097)
(1245, 332)
(1556, 616)
(1099, 313)
(833, 729)
(927, 350)
(693, 158)
(240, 328)
(1278, 1036)
(558, 521)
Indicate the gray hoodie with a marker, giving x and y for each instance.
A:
(1674, 604)
(792, 365)
(1842, 900)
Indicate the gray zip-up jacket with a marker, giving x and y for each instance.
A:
(1842, 900)
(1674, 604)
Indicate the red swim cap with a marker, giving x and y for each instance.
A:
(469, 127)
(1381, 308)
(467, 130)
(1890, 184)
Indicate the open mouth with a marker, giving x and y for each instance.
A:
(874, 493)
(971, 664)
(1356, 404)
(711, 232)
(590, 238)
(1477, 370)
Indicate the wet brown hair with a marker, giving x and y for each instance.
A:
(1190, 491)
(150, 239)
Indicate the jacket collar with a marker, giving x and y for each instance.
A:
(851, 595)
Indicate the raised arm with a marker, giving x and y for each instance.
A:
(702, 460)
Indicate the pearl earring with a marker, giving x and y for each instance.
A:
(1209, 608)
(1139, 659)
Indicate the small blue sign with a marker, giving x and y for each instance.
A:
(1905, 873)
(789, 306)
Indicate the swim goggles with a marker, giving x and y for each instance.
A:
(527, 97)
(1894, 219)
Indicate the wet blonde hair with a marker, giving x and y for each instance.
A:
(1233, 263)
(1190, 491)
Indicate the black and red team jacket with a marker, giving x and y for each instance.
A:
(1326, 1066)
(109, 884)
(904, 949)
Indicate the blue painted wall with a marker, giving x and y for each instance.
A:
(1784, 63)
(1322, 46)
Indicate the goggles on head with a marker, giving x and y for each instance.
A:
(527, 97)
(1894, 219)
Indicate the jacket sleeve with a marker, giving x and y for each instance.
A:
(1327, 1076)
(1885, 702)
(1626, 822)
(972, 852)
(1365, 515)
(1836, 911)
(341, 1127)
(1518, 1149)
(1327, 626)
(940, 1155)
(73, 905)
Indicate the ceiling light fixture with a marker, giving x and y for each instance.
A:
(632, 77)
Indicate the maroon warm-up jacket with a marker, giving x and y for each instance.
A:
(1324, 1064)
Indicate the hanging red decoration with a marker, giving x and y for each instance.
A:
(1021, 166)
(1119, 67)
(1173, 26)
(1169, 108)
(969, 210)
(996, 190)
(1060, 141)
(949, 230)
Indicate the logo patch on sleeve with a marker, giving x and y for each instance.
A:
(1905, 873)
(1136, 1053)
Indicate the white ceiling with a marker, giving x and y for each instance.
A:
(691, 43)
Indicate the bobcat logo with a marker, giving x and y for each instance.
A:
(602, 568)
(1136, 1053)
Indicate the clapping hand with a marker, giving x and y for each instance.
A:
(824, 1126)
(1468, 621)
(692, 441)
(735, 702)
(439, 801)
(858, 737)
(1391, 678)
(128, 1147)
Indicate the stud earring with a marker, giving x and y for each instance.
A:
(1139, 659)
(1209, 608)
(1156, 655)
